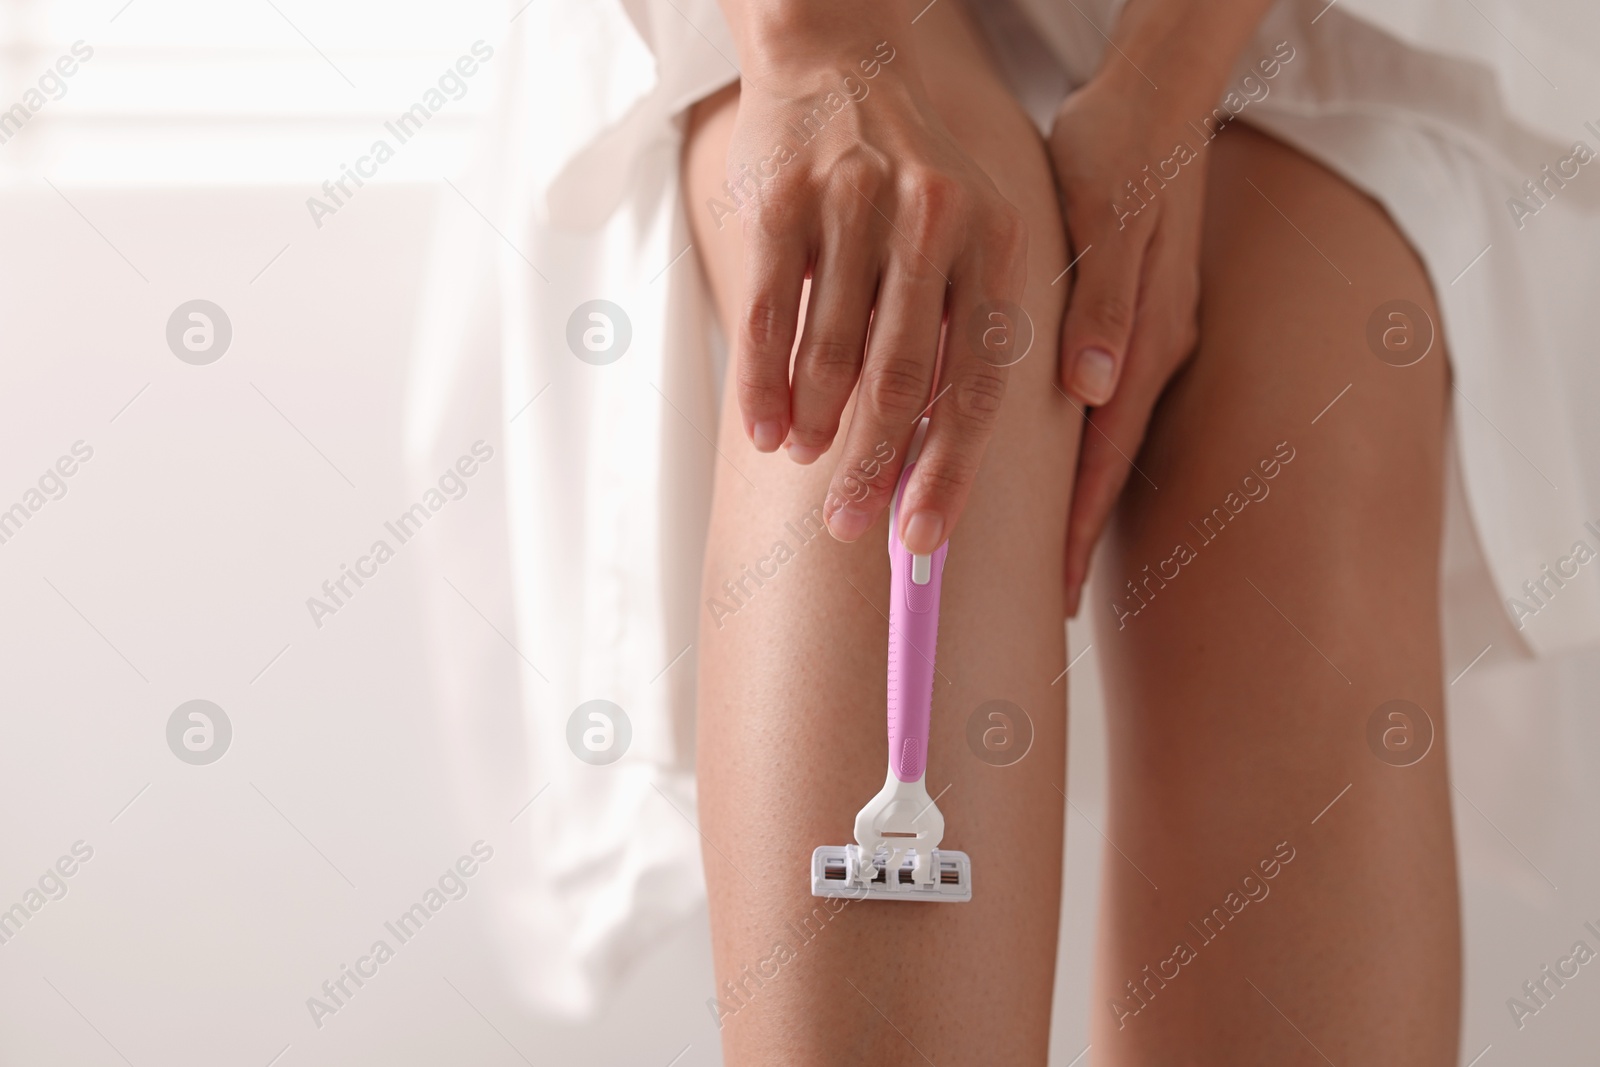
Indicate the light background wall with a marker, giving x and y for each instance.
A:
(220, 497)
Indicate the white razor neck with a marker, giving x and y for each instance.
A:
(901, 816)
(917, 789)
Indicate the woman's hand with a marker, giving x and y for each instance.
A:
(845, 175)
(1133, 187)
(1130, 153)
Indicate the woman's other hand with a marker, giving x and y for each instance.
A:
(1133, 187)
(1130, 153)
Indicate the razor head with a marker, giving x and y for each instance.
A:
(841, 871)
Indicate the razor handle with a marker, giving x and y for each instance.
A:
(913, 634)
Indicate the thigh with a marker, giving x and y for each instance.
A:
(1256, 606)
(792, 716)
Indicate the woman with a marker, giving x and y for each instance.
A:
(1213, 314)
(1236, 252)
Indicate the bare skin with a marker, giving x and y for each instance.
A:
(1238, 696)
(791, 729)
(894, 223)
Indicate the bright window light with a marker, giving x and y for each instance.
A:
(140, 92)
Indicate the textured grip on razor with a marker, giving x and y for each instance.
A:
(913, 634)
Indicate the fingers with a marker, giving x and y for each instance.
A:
(1100, 311)
(777, 254)
(828, 361)
(985, 306)
(1105, 463)
(1116, 430)
(895, 386)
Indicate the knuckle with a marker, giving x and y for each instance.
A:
(813, 430)
(759, 323)
(830, 365)
(859, 171)
(762, 326)
(1010, 234)
(1111, 311)
(932, 200)
(760, 390)
(896, 385)
(977, 397)
(1089, 218)
(947, 478)
(864, 481)
(775, 216)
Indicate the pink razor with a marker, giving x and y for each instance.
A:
(896, 855)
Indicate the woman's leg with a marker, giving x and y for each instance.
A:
(792, 682)
(1284, 587)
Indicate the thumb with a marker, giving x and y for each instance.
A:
(1100, 314)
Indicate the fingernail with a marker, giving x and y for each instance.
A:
(847, 523)
(768, 435)
(923, 533)
(1073, 593)
(802, 454)
(1092, 375)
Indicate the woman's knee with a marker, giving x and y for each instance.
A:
(1289, 543)
(1314, 408)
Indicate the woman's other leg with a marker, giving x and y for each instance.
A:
(792, 681)
(1255, 613)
